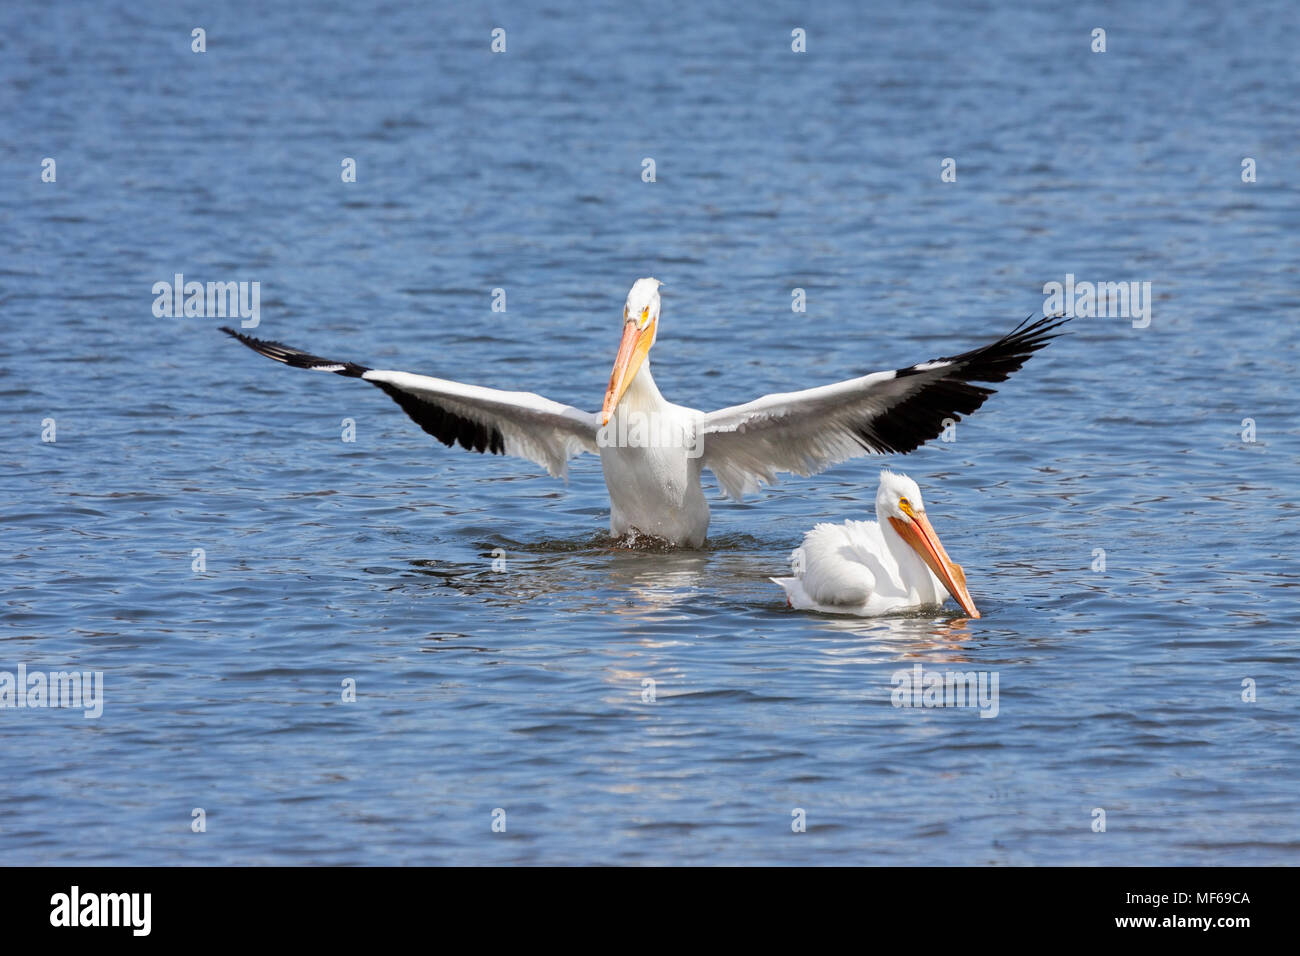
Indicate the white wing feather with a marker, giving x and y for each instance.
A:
(530, 426)
(885, 412)
(478, 419)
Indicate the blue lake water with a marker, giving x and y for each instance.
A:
(522, 689)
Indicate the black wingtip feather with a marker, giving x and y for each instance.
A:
(443, 424)
(296, 358)
(995, 362)
(446, 426)
(921, 415)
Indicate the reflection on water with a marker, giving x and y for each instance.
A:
(652, 584)
(900, 637)
(595, 576)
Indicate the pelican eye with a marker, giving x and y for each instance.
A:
(904, 503)
(645, 314)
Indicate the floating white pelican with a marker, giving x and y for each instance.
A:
(868, 568)
(653, 452)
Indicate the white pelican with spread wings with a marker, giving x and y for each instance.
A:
(654, 452)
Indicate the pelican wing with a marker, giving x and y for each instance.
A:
(884, 412)
(479, 419)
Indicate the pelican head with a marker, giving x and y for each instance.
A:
(640, 322)
(899, 501)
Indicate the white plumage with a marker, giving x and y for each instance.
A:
(653, 452)
(869, 568)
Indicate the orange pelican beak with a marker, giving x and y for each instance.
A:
(632, 351)
(917, 532)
